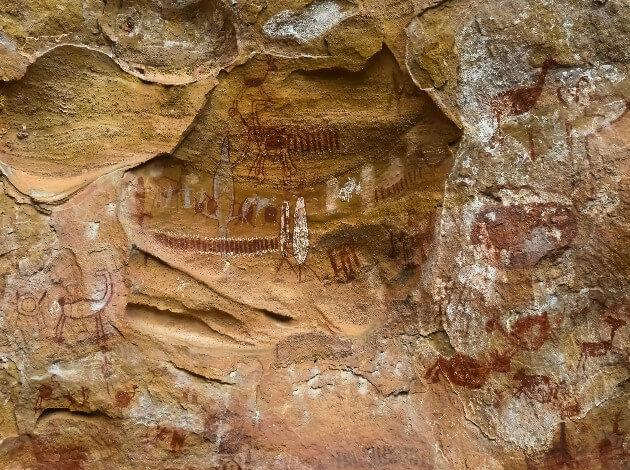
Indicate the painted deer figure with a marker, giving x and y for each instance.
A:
(71, 296)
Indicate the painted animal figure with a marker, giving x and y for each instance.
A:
(537, 387)
(527, 333)
(520, 100)
(460, 369)
(615, 324)
(593, 349)
(177, 438)
(71, 296)
(603, 347)
(466, 371)
(45, 392)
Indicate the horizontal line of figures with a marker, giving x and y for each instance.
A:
(163, 194)
(200, 202)
(297, 139)
(398, 181)
(230, 246)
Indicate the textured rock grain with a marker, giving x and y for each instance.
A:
(325, 235)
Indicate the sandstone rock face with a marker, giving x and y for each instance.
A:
(325, 235)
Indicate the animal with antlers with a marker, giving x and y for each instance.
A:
(70, 293)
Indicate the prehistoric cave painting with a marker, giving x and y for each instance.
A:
(73, 300)
(253, 207)
(223, 190)
(409, 181)
(521, 235)
(559, 455)
(255, 216)
(228, 464)
(604, 348)
(223, 246)
(140, 196)
(571, 97)
(71, 294)
(256, 84)
(466, 371)
(284, 236)
(45, 392)
(174, 437)
(51, 394)
(298, 178)
(411, 249)
(594, 349)
(300, 238)
(528, 332)
(587, 100)
(540, 388)
(30, 306)
(611, 448)
(124, 396)
(344, 262)
(518, 101)
(312, 124)
(62, 298)
(280, 145)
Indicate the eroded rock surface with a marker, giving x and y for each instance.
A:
(325, 235)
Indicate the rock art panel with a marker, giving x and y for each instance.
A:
(301, 203)
(314, 235)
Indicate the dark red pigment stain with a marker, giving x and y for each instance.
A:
(521, 235)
